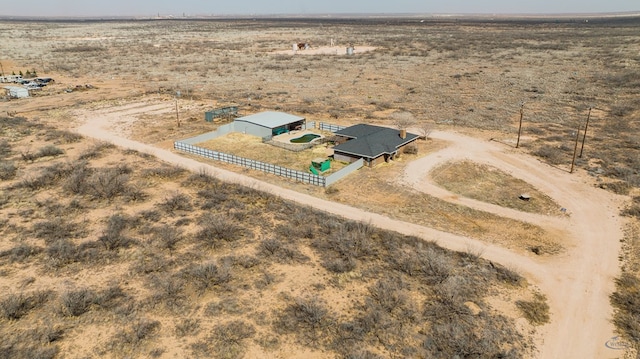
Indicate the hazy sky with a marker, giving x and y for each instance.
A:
(246, 7)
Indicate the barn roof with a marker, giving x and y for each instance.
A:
(271, 119)
(372, 141)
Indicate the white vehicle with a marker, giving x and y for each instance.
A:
(10, 78)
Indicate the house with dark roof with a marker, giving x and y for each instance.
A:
(374, 144)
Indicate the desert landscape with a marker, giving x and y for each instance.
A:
(487, 240)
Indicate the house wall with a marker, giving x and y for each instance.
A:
(403, 148)
(378, 160)
(344, 157)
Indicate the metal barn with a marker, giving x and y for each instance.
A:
(268, 124)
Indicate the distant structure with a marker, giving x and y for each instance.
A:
(350, 50)
(16, 91)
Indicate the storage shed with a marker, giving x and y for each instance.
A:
(268, 124)
(17, 91)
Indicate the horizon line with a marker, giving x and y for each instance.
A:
(323, 15)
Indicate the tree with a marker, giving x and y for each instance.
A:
(403, 120)
(425, 130)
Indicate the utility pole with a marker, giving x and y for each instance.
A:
(585, 132)
(177, 114)
(1, 69)
(520, 126)
(575, 150)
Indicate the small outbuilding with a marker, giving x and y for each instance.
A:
(16, 91)
(268, 124)
(374, 144)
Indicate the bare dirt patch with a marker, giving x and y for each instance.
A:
(491, 185)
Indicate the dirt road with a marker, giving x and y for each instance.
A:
(577, 282)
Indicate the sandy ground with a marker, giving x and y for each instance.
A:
(577, 282)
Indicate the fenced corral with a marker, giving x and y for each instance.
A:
(252, 164)
(227, 112)
(330, 127)
(188, 145)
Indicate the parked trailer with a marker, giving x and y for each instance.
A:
(11, 78)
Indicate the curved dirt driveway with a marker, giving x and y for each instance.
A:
(577, 282)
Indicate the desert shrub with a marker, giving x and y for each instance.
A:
(62, 252)
(28, 351)
(76, 302)
(536, 311)
(167, 237)
(20, 252)
(228, 305)
(133, 193)
(265, 279)
(346, 243)
(63, 136)
(626, 301)
(207, 275)
(411, 150)
(7, 170)
(340, 265)
(202, 179)
(113, 236)
(187, 327)
(150, 215)
(633, 209)
(96, 151)
(111, 297)
(49, 151)
(177, 202)
(169, 291)
(28, 156)
(164, 171)
(359, 353)
(5, 149)
(213, 198)
(278, 250)
(17, 305)
(150, 261)
(429, 265)
(216, 230)
(47, 332)
(77, 182)
(47, 176)
(507, 275)
(389, 294)
(143, 155)
(468, 338)
(551, 154)
(108, 183)
(228, 338)
(308, 318)
(138, 331)
(55, 229)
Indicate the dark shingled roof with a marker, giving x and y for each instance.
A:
(371, 141)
